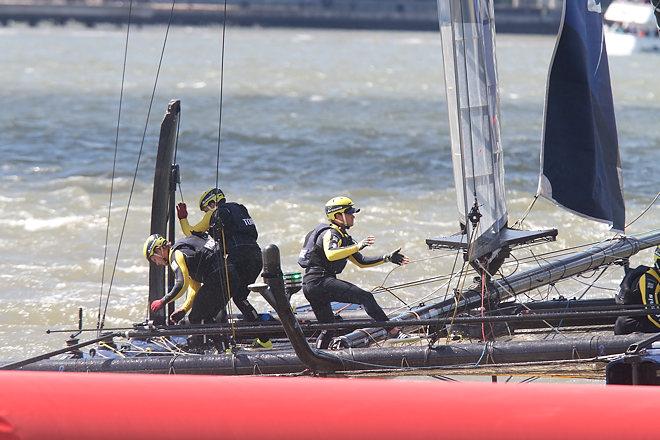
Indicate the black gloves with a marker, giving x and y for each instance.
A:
(395, 257)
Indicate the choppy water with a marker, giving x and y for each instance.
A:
(308, 114)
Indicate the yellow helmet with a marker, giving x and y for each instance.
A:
(339, 205)
(656, 258)
(154, 241)
(212, 195)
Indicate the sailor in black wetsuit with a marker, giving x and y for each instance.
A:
(195, 262)
(639, 289)
(232, 227)
(325, 254)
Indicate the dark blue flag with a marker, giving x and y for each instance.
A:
(580, 163)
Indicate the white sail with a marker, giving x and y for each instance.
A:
(467, 29)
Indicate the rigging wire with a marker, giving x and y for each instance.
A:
(559, 325)
(520, 221)
(468, 271)
(217, 159)
(645, 210)
(137, 165)
(222, 73)
(459, 286)
(451, 274)
(114, 167)
(512, 293)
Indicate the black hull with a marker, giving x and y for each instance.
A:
(287, 362)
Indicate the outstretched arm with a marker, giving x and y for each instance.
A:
(362, 261)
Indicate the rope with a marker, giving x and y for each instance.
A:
(457, 298)
(222, 75)
(114, 167)
(645, 210)
(451, 275)
(513, 295)
(520, 221)
(483, 290)
(229, 299)
(137, 166)
(382, 287)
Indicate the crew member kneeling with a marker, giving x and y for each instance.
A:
(636, 291)
(325, 253)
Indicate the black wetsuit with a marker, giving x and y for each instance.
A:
(203, 264)
(244, 260)
(647, 292)
(320, 283)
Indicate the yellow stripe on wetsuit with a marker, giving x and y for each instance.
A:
(352, 252)
(179, 266)
(656, 293)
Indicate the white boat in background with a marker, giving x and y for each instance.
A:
(630, 27)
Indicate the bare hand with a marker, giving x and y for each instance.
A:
(370, 240)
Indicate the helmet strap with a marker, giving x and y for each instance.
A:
(343, 220)
(339, 222)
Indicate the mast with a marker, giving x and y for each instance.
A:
(162, 205)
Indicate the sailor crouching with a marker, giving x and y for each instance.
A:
(195, 262)
(641, 289)
(326, 251)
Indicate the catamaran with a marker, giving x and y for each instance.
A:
(480, 327)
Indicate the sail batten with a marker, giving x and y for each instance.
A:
(580, 162)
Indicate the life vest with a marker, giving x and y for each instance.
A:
(234, 219)
(200, 252)
(313, 255)
(629, 287)
(305, 256)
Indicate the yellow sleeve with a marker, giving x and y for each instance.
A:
(332, 251)
(185, 226)
(202, 226)
(193, 288)
(179, 263)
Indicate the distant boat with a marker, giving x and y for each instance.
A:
(630, 28)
